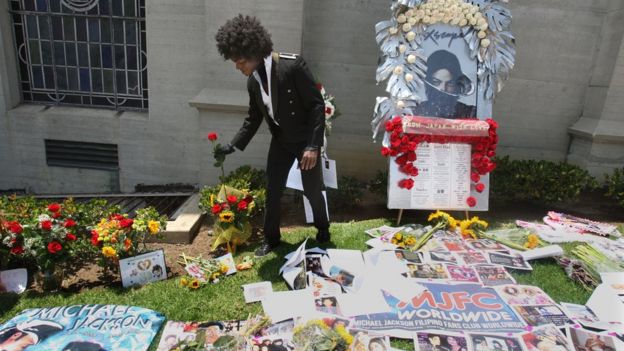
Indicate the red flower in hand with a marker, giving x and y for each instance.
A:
(242, 205)
(54, 247)
(126, 223)
(69, 223)
(212, 136)
(46, 225)
(54, 207)
(70, 237)
(216, 208)
(14, 227)
(17, 250)
(232, 199)
(471, 201)
(480, 187)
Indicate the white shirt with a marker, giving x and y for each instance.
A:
(266, 97)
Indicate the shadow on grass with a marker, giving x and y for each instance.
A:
(8, 301)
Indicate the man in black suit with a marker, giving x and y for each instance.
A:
(283, 92)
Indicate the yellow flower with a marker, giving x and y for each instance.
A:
(215, 275)
(532, 241)
(183, 281)
(109, 252)
(344, 334)
(154, 226)
(410, 241)
(398, 236)
(224, 269)
(226, 216)
(194, 284)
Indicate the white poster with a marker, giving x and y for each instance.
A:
(143, 269)
(443, 180)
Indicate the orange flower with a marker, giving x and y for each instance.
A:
(127, 244)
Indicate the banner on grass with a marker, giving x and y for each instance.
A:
(465, 307)
(82, 327)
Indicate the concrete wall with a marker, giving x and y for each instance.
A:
(569, 65)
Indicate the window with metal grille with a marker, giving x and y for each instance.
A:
(82, 52)
(76, 154)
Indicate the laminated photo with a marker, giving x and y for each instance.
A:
(440, 256)
(546, 338)
(583, 339)
(472, 257)
(327, 304)
(256, 291)
(486, 245)
(365, 340)
(409, 256)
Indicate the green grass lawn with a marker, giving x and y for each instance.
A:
(225, 301)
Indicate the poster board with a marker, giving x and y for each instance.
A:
(143, 269)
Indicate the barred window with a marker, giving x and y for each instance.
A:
(82, 52)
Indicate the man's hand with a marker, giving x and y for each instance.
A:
(308, 161)
(222, 150)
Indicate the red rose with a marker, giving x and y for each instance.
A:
(212, 136)
(480, 187)
(491, 153)
(232, 199)
(54, 207)
(46, 225)
(242, 205)
(94, 238)
(319, 86)
(14, 227)
(385, 151)
(126, 223)
(216, 208)
(406, 183)
(328, 110)
(70, 237)
(116, 217)
(475, 177)
(17, 250)
(401, 160)
(69, 223)
(56, 215)
(389, 126)
(471, 201)
(54, 247)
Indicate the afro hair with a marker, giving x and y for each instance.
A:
(243, 37)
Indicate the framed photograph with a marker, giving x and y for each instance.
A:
(143, 269)
(437, 340)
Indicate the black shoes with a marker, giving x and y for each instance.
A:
(322, 236)
(265, 249)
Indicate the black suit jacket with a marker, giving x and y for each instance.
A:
(298, 106)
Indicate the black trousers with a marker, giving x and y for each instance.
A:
(280, 159)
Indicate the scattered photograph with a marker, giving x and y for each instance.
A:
(586, 340)
(367, 341)
(313, 264)
(546, 338)
(427, 271)
(462, 273)
(436, 340)
(442, 257)
(272, 343)
(454, 244)
(472, 257)
(540, 315)
(327, 304)
(494, 342)
(491, 275)
(486, 245)
(523, 295)
(256, 291)
(409, 256)
(509, 261)
(341, 276)
(322, 286)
